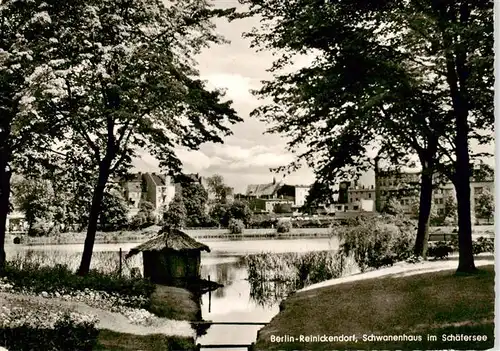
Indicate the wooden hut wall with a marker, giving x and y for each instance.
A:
(168, 266)
(184, 264)
(155, 267)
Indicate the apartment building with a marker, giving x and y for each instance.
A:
(160, 191)
(132, 191)
(406, 187)
(301, 192)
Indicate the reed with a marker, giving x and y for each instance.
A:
(106, 262)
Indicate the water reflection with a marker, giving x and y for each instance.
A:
(231, 303)
(269, 294)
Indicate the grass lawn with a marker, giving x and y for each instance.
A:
(174, 303)
(427, 304)
(109, 340)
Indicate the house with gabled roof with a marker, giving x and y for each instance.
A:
(264, 191)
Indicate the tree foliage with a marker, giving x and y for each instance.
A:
(219, 213)
(240, 210)
(33, 198)
(319, 194)
(176, 214)
(450, 214)
(393, 207)
(114, 214)
(195, 200)
(121, 76)
(25, 134)
(217, 186)
(411, 76)
(237, 210)
(485, 205)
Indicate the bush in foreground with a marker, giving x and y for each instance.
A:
(37, 328)
(36, 278)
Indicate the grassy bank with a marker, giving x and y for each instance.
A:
(109, 340)
(174, 303)
(420, 305)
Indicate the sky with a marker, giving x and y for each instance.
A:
(246, 156)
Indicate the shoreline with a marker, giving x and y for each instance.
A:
(438, 234)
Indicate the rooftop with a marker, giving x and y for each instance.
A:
(169, 239)
(262, 189)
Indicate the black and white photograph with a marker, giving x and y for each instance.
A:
(244, 175)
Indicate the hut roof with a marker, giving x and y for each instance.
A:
(168, 238)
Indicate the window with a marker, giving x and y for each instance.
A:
(369, 195)
(355, 208)
(357, 199)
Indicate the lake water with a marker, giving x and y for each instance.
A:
(224, 264)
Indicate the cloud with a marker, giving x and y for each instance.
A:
(233, 158)
(237, 86)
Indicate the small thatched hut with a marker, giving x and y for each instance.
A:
(171, 258)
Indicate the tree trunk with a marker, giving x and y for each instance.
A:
(462, 176)
(424, 211)
(377, 185)
(5, 175)
(462, 188)
(95, 211)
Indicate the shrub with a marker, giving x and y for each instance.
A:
(38, 328)
(283, 208)
(377, 241)
(236, 226)
(440, 250)
(283, 226)
(138, 221)
(483, 244)
(37, 279)
(262, 221)
(39, 229)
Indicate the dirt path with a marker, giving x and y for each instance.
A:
(403, 269)
(107, 320)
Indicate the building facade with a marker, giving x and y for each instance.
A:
(405, 186)
(160, 191)
(301, 192)
(132, 191)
